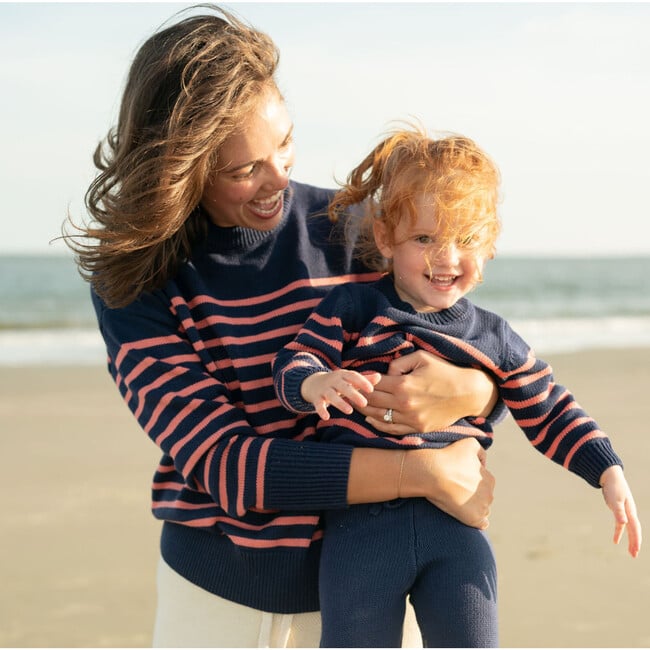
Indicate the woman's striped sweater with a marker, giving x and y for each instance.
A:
(241, 481)
(362, 327)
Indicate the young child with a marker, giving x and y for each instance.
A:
(431, 212)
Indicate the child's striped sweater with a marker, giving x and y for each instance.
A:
(241, 481)
(362, 327)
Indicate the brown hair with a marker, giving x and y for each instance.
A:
(189, 87)
(459, 179)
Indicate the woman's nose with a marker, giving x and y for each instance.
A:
(279, 172)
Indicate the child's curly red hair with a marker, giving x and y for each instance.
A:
(458, 178)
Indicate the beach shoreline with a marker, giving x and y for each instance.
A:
(81, 547)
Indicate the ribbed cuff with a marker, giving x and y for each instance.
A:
(593, 459)
(307, 476)
(292, 387)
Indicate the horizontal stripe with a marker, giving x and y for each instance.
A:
(278, 294)
(371, 328)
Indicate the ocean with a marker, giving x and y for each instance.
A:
(556, 304)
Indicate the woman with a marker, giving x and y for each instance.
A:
(204, 260)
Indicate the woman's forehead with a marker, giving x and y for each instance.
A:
(262, 131)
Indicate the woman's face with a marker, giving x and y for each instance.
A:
(254, 166)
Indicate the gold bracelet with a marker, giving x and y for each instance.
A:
(401, 471)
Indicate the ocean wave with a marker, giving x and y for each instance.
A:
(573, 334)
(545, 336)
(52, 347)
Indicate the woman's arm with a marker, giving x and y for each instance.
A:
(428, 393)
(453, 478)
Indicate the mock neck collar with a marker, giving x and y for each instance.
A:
(239, 238)
(453, 313)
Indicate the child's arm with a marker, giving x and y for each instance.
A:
(342, 389)
(619, 499)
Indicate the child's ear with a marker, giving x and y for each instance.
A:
(382, 239)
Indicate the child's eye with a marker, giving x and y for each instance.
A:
(425, 240)
(467, 241)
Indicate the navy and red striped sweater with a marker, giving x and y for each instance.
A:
(363, 326)
(241, 481)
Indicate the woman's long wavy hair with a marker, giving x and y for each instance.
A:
(189, 88)
(459, 180)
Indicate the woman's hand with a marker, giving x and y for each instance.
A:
(619, 499)
(428, 393)
(454, 478)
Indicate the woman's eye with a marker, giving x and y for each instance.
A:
(245, 173)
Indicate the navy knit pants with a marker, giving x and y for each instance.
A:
(374, 556)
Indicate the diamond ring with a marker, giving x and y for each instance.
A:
(388, 416)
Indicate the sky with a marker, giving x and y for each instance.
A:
(557, 93)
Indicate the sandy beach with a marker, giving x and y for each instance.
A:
(79, 547)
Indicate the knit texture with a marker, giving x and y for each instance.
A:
(362, 327)
(241, 481)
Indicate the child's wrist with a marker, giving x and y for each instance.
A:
(305, 385)
(609, 474)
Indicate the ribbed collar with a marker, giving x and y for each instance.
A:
(457, 311)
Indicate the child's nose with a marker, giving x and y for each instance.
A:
(448, 254)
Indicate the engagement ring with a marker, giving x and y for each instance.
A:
(388, 416)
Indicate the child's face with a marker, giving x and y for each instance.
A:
(428, 277)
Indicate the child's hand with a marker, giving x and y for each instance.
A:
(618, 497)
(342, 389)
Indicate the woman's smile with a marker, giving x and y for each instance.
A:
(267, 208)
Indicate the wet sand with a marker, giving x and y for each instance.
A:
(79, 546)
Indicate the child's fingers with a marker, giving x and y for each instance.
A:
(365, 383)
(634, 535)
(619, 529)
(620, 501)
(373, 377)
(626, 518)
(321, 409)
(350, 388)
(620, 520)
(341, 402)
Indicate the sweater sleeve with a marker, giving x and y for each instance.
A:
(317, 347)
(189, 414)
(549, 415)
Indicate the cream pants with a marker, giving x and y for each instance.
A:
(190, 617)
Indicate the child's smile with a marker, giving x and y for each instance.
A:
(442, 281)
